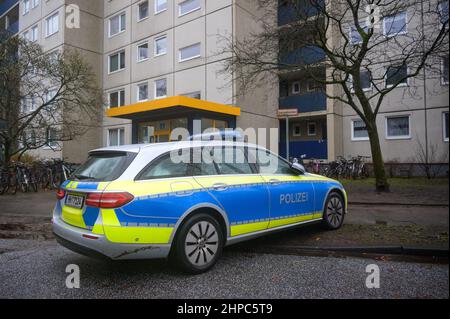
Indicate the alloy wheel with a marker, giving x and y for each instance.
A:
(202, 243)
(335, 211)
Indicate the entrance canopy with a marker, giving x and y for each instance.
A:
(169, 105)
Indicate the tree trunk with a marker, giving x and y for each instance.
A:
(381, 182)
(6, 154)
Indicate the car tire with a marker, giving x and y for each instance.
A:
(198, 244)
(334, 211)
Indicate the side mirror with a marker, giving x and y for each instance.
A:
(298, 168)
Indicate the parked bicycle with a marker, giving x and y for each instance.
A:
(46, 174)
(354, 167)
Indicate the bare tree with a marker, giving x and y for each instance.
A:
(432, 163)
(45, 98)
(359, 50)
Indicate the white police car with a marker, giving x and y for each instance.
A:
(187, 200)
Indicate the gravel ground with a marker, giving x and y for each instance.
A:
(36, 269)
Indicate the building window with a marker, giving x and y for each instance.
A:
(312, 129)
(26, 6)
(365, 78)
(26, 35)
(34, 3)
(445, 125)
(52, 25)
(194, 95)
(395, 24)
(443, 12)
(143, 52)
(444, 70)
(355, 37)
(34, 33)
(397, 75)
(142, 10)
(117, 99)
(117, 24)
(142, 92)
(52, 137)
(160, 45)
(188, 6)
(398, 127)
(312, 85)
(297, 130)
(160, 6)
(160, 88)
(359, 131)
(190, 52)
(117, 62)
(116, 137)
(296, 88)
(50, 95)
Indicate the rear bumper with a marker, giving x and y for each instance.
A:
(72, 238)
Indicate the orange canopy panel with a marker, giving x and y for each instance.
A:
(172, 102)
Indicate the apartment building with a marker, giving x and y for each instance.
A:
(326, 128)
(162, 56)
(44, 22)
(159, 64)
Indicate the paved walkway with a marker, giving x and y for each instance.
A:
(40, 205)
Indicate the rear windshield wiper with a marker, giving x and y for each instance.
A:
(82, 177)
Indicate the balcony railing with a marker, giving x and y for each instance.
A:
(303, 56)
(5, 5)
(288, 13)
(310, 102)
(312, 149)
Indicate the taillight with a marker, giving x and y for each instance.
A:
(108, 200)
(60, 194)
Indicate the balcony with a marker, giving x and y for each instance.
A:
(312, 149)
(309, 102)
(5, 5)
(288, 13)
(13, 28)
(303, 56)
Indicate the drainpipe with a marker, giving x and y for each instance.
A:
(424, 84)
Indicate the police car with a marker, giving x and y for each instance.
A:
(187, 200)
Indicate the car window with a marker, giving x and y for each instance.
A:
(165, 167)
(232, 161)
(268, 163)
(204, 169)
(104, 166)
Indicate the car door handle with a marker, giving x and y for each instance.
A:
(275, 181)
(220, 186)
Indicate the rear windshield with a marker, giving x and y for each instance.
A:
(103, 166)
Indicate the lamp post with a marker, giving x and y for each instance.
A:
(287, 113)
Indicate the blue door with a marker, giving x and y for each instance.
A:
(238, 189)
(291, 195)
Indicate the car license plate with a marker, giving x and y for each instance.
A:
(74, 201)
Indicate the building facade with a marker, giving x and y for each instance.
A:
(325, 128)
(155, 60)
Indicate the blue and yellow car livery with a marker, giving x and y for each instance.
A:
(128, 218)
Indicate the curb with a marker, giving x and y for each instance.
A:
(397, 204)
(389, 250)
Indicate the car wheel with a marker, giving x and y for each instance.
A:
(334, 212)
(198, 244)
